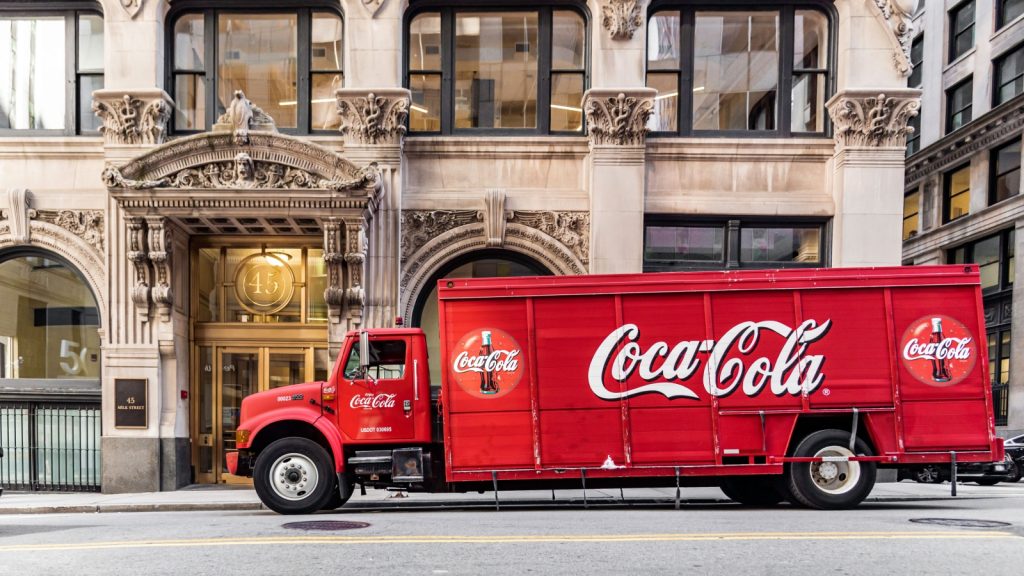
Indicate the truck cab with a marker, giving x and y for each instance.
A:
(370, 423)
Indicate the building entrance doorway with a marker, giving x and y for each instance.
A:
(259, 322)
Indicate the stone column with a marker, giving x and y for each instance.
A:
(870, 130)
(617, 120)
(373, 123)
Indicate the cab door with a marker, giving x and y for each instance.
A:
(377, 404)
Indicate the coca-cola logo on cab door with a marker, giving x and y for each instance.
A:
(938, 350)
(487, 363)
(371, 401)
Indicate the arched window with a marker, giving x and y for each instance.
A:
(51, 60)
(760, 70)
(288, 62)
(479, 70)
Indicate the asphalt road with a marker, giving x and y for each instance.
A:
(876, 538)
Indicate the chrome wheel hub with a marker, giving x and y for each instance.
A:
(294, 477)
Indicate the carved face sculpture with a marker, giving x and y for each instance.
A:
(244, 170)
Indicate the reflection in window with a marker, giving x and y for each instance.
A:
(1005, 166)
(674, 245)
(1009, 75)
(48, 321)
(916, 60)
(810, 71)
(957, 194)
(959, 101)
(961, 30)
(35, 81)
(386, 362)
(765, 245)
(911, 214)
(1008, 11)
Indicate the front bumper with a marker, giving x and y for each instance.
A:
(239, 462)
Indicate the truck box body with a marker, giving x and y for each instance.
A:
(709, 373)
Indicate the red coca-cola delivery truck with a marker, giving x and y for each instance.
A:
(783, 384)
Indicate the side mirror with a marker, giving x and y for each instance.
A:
(364, 350)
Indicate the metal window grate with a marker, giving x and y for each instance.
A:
(50, 446)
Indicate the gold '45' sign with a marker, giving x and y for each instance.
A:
(264, 283)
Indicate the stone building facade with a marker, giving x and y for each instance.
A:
(233, 185)
(962, 200)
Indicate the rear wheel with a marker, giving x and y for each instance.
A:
(753, 490)
(928, 474)
(294, 476)
(835, 483)
(1015, 472)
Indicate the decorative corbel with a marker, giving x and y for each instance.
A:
(139, 257)
(334, 256)
(494, 216)
(897, 17)
(159, 244)
(355, 256)
(18, 213)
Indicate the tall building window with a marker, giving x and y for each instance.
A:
(1007, 11)
(50, 63)
(956, 194)
(961, 29)
(916, 60)
(995, 259)
(959, 101)
(476, 70)
(671, 243)
(1005, 167)
(288, 63)
(1009, 75)
(740, 72)
(911, 214)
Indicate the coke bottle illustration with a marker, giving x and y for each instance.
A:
(487, 383)
(940, 373)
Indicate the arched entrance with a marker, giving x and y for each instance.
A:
(487, 263)
(50, 368)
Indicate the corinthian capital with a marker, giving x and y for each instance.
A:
(133, 117)
(374, 116)
(621, 18)
(864, 118)
(618, 117)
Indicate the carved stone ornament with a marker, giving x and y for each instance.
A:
(494, 216)
(869, 119)
(86, 224)
(158, 243)
(132, 118)
(17, 213)
(132, 7)
(897, 17)
(241, 117)
(618, 118)
(373, 6)
(571, 229)
(374, 117)
(420, 226)
(139, 258)
(622, 18)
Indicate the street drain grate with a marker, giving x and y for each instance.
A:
(325, 525)
(961, 522)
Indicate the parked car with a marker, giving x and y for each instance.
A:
(982, 473)
(1015, 450)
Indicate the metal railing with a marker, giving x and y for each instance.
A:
(49, 445)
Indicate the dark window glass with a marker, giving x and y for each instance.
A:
(914, 138)
(999, 360)
(961, 30)
(911, 214)
(673, 245)
(288, 63)
(1008, 11)
(916, 59)
(994, 256)
(387, 361)
(778, 245)
(1005, 166)
(959, 101)
(510, 70)
(735, 78)
(1009, 75)
(36, 91)
(957, 194)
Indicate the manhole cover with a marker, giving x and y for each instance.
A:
(961, 522)
(325, 525)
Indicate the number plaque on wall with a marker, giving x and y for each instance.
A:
(130, 403)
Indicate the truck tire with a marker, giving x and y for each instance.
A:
(337, 500)
(753, 490)
(830, 485)
(294, 476)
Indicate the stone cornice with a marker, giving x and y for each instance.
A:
(997, 125)
(133, 116)
(873, 118)
(373, 116)
(618, 116)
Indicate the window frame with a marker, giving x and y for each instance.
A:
(731, 245)
(687, 9)
(545, 70)
(950, 113)
(916, 214)
(303, 56)
(998, 81)
(918, 41)
(994, 175)
(947, 185)
(1000, 18)
(954, 34)
(70, 11)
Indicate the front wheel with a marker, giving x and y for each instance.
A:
(834, 483)
(294, 476)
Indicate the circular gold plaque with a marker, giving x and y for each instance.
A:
(264, 283)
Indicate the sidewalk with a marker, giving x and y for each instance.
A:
(207, 498)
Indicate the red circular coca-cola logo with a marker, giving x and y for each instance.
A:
(938, 350)
(487, 363)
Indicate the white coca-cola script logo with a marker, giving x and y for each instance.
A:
(792, 372)
(370, 401)
(496, 361)
(947, 349)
